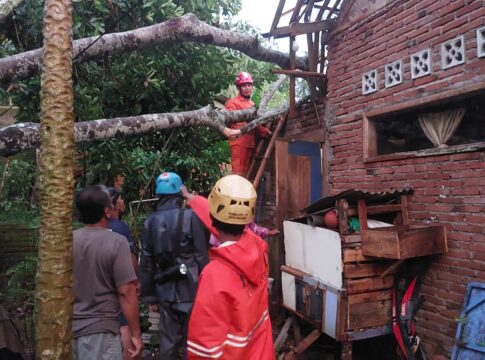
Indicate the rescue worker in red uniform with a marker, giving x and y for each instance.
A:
(242, 148)
(230, 318)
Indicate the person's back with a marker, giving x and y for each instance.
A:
(102, 282)
(239, 273)
(174, 251)
(230, 318)
(100, 266)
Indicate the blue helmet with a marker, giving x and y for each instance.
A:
(168, 183)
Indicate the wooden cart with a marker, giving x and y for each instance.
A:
(329, 278)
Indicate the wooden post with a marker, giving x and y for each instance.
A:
(362, 209)
(292, 78)
(343, 222)
(303, 345)
(267, 153)
(404, 210)
(346, 353)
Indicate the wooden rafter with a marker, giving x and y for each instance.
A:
(277, 16)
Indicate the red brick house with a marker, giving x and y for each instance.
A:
(393, 66)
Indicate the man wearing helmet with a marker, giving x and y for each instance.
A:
(230, 318)
(242, 148)
(174, 251)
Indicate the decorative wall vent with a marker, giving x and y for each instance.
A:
(370, 82)
(453, 52)
(393, 73)
(421, 64)
(481, 42)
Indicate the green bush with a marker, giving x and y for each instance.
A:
(17, 182)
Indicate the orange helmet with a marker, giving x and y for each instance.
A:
(243, 78)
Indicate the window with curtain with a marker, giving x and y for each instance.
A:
(447, 126)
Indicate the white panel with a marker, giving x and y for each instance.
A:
(314, 250)
(331, 303)
(288, 287)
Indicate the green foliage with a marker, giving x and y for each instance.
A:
(171, 77)
(17, 180)
(19, 292)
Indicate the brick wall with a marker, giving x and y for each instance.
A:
(448, 188)
(306, 119)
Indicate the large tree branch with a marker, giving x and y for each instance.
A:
(18, 137)
(6, 7)
(185, 28)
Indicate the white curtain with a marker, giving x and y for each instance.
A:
(439, 127)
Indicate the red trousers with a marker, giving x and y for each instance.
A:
(241, 159)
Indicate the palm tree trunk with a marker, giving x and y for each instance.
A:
(53, 306)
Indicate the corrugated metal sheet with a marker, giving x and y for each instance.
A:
(352, 196)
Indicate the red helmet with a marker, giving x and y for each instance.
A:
(243, 78)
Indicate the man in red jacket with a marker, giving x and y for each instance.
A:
(242, 148)
(230, 318)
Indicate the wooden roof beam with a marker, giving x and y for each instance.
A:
(300, 29)
(296, 11)
(277, 16)
(298, 73)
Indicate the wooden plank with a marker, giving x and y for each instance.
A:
(370, 296)
(292, 271)
(356, 255)
(341, 317)
(369, 314)
(292, 78)
(342, 205)
(308, 10)
(404, 204)
(296, 11)
(362, 208)
(458, 92)
(370, 138)
(283, 335)
(351, 239)
(376, 209)
(276, 247)
(298, 73)
(297, 29)
(267, 153)
(304, 344)
(403, 242)
(298, 191)
(364, 270)
(323, 7)
(277, 16)
(356, 286)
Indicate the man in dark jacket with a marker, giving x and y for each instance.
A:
(174, 251)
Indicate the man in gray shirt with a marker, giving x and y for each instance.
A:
(104, 279)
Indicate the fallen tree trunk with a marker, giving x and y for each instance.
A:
(19, 137)
(186, 28)
(6, 7)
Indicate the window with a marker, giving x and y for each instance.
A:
(448, 126)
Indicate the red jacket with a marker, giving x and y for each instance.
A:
(230, 318)
(249, 139)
